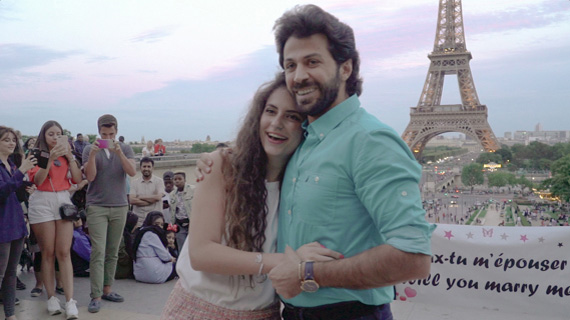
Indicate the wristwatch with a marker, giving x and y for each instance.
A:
(308, 284)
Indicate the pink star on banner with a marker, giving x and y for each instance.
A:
(448, 235)
(524, 238)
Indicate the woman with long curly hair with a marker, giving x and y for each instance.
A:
(233, 228)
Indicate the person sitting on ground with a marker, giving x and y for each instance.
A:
(153, 263)
(172, 246)
(80, 248)
(126, 254)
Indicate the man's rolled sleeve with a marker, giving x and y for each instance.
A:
(387, 183)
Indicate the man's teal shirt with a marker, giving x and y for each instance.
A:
(352, 185)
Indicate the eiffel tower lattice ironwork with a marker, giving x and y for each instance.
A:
(449, 56)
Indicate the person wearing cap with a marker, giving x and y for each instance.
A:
(181, 205)
(107, 206)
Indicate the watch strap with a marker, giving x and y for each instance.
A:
(309, 275)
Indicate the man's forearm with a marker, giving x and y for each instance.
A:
(91, 168)
(128, 165)
(151, 199)
(377, 267)
(138, 202)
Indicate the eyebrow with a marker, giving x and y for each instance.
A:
(312, 55)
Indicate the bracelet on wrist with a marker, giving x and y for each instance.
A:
(260, 277)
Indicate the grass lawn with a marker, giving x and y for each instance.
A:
(473, 216)
(509, 217)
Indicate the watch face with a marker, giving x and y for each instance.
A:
(310, 286)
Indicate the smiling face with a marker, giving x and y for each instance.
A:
(7, 144)
(31, 143)
(313, 76)
(280, 125)
(51, 136)
(147, 169)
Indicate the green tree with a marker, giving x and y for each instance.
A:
(92, 137)
(487, 157)
(544, 164)
(202, 147)
(524, 182)
(472, 174)
(505, 153)
(499, 178)
(559, 184)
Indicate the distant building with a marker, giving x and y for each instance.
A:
(525, 137)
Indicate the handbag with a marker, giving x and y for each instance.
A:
(69, 212)
(66, 211)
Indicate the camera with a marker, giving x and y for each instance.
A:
(42, 157)
(105, 143)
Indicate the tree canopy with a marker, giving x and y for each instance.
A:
(472, 174)
(559, 184)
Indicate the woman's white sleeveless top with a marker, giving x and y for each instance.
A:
(234, 292)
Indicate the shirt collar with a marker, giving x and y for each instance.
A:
(332, 118)
(9, 164)
(149, 180)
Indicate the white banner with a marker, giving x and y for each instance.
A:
(507, 269)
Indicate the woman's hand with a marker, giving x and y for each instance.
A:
(29, 162)
(203, 166)
(57, 151)
(31, 189)
(315, 251)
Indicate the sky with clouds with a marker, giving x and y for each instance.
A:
(181, 69)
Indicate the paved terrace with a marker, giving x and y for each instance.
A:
(145, 302)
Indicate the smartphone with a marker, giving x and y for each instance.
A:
(63, 140)
(105, 143)
(42, 157)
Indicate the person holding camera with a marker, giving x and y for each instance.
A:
(12, 223)
(107, 162)
(56, 165)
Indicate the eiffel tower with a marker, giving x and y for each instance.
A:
(450, 56)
